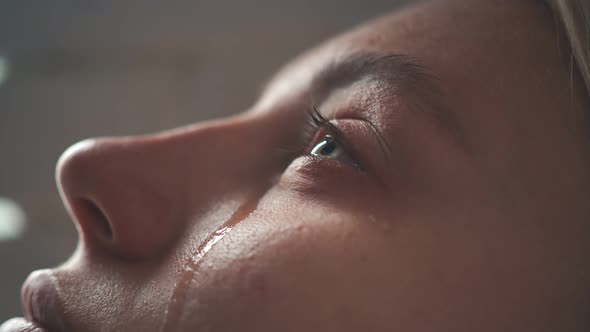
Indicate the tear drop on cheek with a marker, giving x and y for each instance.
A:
(178, 299)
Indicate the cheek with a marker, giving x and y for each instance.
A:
(292, 266)
(288, 264)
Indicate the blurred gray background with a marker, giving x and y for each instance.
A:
(76, 69)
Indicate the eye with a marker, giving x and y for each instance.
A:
(327, 147)
(326, 140)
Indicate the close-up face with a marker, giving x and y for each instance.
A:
(426, 171)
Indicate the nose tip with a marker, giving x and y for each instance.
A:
(67, 163)
(112, 197)
(89, 218)
(75, 191)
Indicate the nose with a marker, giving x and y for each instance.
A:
(134, 196)
(113, 190)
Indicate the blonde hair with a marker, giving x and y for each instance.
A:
(575, 18)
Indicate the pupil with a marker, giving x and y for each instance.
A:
(325, 148)
(329, 147)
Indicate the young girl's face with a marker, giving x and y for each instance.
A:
(442, 184)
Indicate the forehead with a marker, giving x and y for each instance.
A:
(443, 34)
(498, 63)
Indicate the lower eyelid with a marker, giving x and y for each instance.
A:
(313, 174)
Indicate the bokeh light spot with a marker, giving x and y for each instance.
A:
(12, 220)
(4, 69)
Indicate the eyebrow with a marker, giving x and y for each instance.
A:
(404, 75)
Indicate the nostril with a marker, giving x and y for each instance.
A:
(96, 219)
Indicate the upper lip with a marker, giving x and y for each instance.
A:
(41, 302)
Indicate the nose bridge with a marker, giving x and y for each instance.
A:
(224, 154)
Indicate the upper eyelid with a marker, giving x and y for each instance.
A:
(319, 122)
(316, 121)
(350, 134)
(384, 145)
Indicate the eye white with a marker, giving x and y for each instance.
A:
(328, 147)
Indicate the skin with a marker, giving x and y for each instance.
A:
(482, 227)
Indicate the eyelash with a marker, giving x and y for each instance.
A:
(318, 126)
